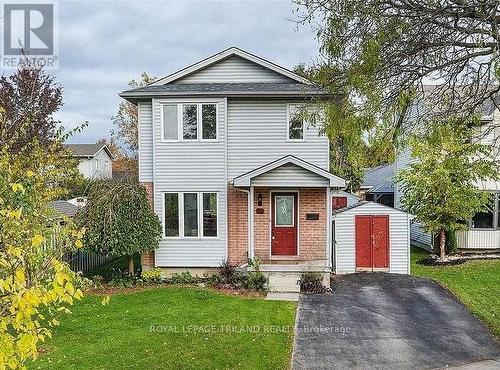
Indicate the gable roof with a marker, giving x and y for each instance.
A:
(244, 179)
(87, 150)
(227, 53)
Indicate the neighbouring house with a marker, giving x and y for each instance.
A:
(484, 228)
(235, 173)
(95, 160)
(378, 184)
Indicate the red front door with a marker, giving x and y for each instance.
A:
(284, 224)
(372, 241)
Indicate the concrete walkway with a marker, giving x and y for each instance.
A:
(389, 321)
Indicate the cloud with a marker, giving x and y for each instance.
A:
(104, 44)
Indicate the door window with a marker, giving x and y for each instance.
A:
(284, 209)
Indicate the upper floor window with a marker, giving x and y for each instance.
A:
(189, 122)
(295, 124)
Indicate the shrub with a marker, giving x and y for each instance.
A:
(312, 282)
(183, 278)
(226, 272)
(255, 280)
(122, 279)
(152, 276)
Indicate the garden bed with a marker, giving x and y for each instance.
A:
(456, 259)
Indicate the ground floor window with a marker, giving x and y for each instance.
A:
(190, 214)
(490, 218)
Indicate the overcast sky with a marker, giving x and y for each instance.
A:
(104, 44)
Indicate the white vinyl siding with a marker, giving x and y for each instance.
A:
(290, 174)
(257, 136)
(345, 247)
(191, 166)
(145, 122)
(235, 69)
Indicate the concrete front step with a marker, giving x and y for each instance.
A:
(279, 296)
(284, 283)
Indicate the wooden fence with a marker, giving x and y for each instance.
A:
(84, 262)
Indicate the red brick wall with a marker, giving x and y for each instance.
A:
(312, 238)
(262, 224)
(148, 258)
(237, 232)
(312, 233)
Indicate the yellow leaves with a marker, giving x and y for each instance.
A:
(37, 240)
(105, 301)
(14, 251)
(78, 244)
(30, 174)
(17, 188)
(20, 276)
(11, 214)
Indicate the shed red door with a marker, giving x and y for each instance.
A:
(284, 224)
(372, 241)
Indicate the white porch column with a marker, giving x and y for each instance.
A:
(328, 228)
(250, 216)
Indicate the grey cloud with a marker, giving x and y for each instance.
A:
(103, 44)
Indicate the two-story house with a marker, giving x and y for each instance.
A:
(232, 170)
(235, 173)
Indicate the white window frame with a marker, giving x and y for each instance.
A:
(180, 200)
(289, 108)
(180, 123)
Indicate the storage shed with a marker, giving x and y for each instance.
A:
(369, 236)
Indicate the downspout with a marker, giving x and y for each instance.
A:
(249, 222)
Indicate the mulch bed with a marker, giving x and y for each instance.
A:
(456, 259)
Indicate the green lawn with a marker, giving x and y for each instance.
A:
(475, 283)
(195, 328)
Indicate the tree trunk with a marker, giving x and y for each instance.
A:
(442, 244)
(131, 265)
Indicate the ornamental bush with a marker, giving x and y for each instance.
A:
(118, 220)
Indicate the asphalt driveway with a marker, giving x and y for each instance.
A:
(388, 321)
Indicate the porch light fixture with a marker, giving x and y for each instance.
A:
(259, 200)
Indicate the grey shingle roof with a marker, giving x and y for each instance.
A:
(84, 150)
(375, 176)
(226, 89)
(64, 207)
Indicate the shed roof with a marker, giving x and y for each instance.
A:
(364, 203)
(87, 150)
(64, 207)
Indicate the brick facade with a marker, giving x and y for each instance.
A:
(237, 225)
(148, 258)
(312, 233)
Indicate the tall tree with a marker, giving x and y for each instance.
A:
(377, 52)
(29, 99)
(440, 187)
(126, 119)
(355, 141)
